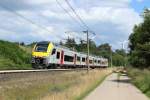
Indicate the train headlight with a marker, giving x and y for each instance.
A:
(33, 60)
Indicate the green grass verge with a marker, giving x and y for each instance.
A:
(90, 89)
(141, 79)
(12, 56)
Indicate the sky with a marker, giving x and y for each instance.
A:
(111, 20)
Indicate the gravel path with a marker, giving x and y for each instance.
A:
(112, 89)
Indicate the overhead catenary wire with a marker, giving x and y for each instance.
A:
(76, 13)
(38, 25)
(79, 18)
(67, 12)
(87, 32)
(26, 19)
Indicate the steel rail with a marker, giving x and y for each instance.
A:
(42, 70)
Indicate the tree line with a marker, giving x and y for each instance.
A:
(140, 43)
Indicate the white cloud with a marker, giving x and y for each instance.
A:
(39, 2)
(123, 18)
(103, 3)
(112, 20)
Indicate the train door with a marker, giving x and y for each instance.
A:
(87, 61)
(75, 57)
(93, 62)
(62, 57)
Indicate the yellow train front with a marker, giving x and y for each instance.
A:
(41, 54)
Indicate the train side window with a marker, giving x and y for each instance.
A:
(83, 59)
(58, 55)
(68, 58)
(78, 58)
(95, 61)
(53, 52)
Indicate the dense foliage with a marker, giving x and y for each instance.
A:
(12, 56)
(140, 42)
(120, 58)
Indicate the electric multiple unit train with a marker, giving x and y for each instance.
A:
(47, 55)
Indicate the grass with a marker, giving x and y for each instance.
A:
(36, 91)
(12, 56)
(141, 79)
(27, 49)
(73, 85)
(36, 86)
(85, 83)
(90, 89)
(6, 63)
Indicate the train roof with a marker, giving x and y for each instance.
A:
(82, 53)
(43, 42)
(66, 48)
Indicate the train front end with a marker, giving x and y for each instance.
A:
(41, 54)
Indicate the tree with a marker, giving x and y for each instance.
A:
(121, 52)
(104, 47)
(82, 46)
(104, 50)
(61, 43)
(140, 42)
(22, 43)
(118, 59)
(70, 43)
(92, 47)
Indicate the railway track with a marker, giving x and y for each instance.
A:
(41, 70)
(8, 75)
(25, 71)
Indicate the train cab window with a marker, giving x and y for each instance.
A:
(41, 47)
(58, 55)
(83, 59)
(99, 62)
(68, 58)
(53, 52)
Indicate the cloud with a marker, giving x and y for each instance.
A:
(88, 4)
(112, 20)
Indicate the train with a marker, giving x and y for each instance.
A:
(47, 55)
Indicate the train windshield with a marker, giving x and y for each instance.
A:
(41, 47)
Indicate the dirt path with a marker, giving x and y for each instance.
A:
(112, 89)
